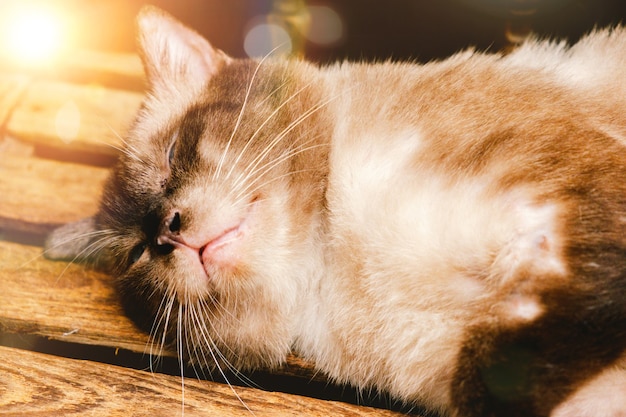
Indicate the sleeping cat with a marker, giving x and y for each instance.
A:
(452, 233)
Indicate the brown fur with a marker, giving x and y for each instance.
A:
(452, 233)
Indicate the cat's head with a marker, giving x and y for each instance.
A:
(208, 221)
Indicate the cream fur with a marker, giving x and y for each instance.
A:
(420, 203)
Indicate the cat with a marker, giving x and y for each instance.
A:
(452, 233)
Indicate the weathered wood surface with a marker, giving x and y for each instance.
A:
(37, 384)
(74, 304)
(120, 70)
(87, 118)
(37, 194)
(12, 88)
(67, 302)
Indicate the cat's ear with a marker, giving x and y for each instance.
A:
(71, 241)
(173, 53)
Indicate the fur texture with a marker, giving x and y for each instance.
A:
(452, 233)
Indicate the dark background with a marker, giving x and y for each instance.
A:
(400, 29)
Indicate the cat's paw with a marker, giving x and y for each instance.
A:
(602, 396)
(71, 241)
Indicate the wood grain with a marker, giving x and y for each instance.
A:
(38, 194)
(12, 87)
(62, 301)
(83, 66)
(49, 112)
(117, 70)
(34, 384)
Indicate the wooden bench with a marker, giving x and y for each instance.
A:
(65, 346)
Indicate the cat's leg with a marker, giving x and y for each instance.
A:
(529, 370)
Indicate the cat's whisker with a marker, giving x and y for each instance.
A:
(163, 312)
(249, 170)
(261, 126)
(201, 335)
(199, 312)
(194, 350)
(292, 152)
(121, 138)
(121, 150)
(244, 196)
(128, 149)
(256, 161)
(240, 116)
(268, 167)
(162, 322)
(214, 303)
(197, 354)
(93, 248)
(247, 193)
(274, 91)
(216, 355)
(86, 252)
(64, 242)
(149, 348)
(190, 336)
(180, 350)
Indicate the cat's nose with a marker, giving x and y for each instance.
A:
(169, 229)
(171, 224)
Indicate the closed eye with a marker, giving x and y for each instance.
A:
(171, 152)
(136, 253)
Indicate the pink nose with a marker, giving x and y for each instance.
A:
(169, 230)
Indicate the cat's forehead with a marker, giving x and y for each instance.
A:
(163, 112)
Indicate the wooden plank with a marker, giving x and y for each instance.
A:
(83, 66)
(117, 70)
(37, 194)
(61, 301)
(11, 147)
(38, 384)
(79, 118)
(12, 87)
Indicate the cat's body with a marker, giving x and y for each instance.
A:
(454, 233)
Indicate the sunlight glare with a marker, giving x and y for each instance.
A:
(33, 34)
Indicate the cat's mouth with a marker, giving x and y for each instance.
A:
(224, 250)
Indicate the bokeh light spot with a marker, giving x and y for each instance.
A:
(326, 26)
(32, 34)
(264, 38)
